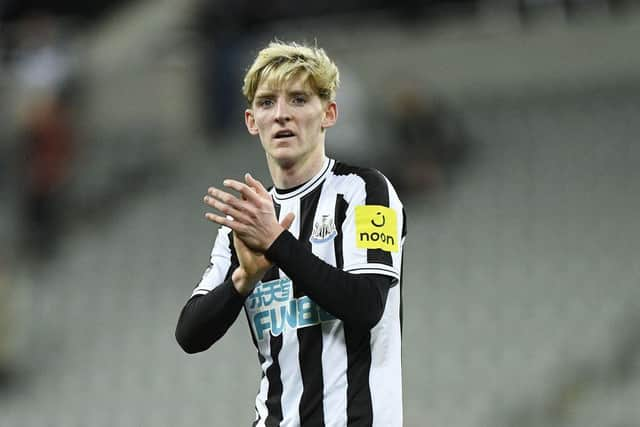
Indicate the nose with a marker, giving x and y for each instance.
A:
(283, 114)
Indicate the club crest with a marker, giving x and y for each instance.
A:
(323, 230)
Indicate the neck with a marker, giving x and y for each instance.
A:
(288, 174)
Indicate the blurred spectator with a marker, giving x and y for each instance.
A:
(223, 26)
(48, 146)
(430, 143)
(43, 70)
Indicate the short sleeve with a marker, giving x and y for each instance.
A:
(219, 264)
(373, 236)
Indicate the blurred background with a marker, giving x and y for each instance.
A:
(510, 128)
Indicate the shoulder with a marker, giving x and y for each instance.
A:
(368, 182)
(369, 175)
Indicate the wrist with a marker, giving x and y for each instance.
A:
(243, 283)
(274, 236)
(277, 251)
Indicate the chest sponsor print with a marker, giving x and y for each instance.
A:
(272, 309)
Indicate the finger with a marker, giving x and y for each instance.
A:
(221, 220)
(288, 220)
(236, 226)
(247, 192)
(254, 183)
(226, 209)
(227, 198)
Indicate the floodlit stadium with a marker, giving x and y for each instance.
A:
(508, 128)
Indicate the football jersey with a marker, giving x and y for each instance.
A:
(316, 369)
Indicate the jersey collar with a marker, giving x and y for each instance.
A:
(309, 185)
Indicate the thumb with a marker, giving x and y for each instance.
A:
(288, 220)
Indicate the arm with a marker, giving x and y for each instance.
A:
(206, 318)
(353, 298)
(215, 302)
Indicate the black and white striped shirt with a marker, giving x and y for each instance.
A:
(325, 360)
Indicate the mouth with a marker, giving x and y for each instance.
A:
(285, 133)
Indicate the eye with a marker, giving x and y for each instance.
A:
(299, 100)
(265, 102)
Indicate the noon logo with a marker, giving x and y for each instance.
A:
(376, 228)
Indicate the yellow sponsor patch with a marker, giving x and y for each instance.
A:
(376, 228)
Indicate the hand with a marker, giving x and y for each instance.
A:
(253, 218)
(253, 265)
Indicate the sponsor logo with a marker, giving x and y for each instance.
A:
(324, 229)
(376, 228)
(272, 309)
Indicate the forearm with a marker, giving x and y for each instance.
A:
(206, 318)
(353, 298)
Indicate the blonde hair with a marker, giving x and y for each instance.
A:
(282, 62)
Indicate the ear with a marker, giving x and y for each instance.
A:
(330, 115)
(250, 121)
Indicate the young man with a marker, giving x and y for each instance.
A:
(315, 262)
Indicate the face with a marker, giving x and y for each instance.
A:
(290, 121)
